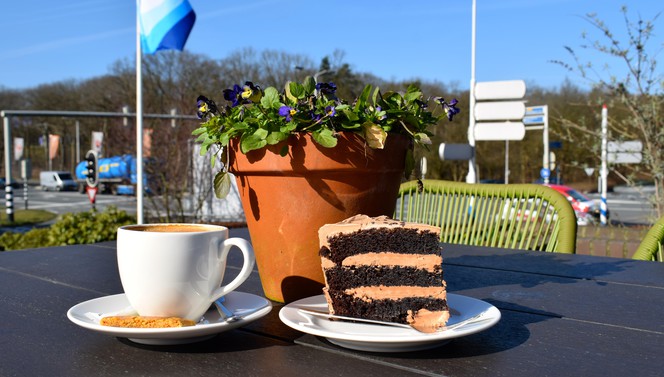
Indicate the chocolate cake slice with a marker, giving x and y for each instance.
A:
(383, 269)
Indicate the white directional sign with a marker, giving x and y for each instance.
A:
(512, 110)
(499, 90)
(500, 131)
(625, 146)
(624, 158)
(626, 152)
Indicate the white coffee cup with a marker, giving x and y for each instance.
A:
(176, 270)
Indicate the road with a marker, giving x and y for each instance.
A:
(627, 209)
(70, 201)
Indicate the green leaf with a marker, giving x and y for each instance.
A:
(422, 138)
(275, 137)
(222, 184)
(412, 96)
(325, 137)
(271, 98)
(199, 131)
(297, 90)
(363, 98)
(351, 115)
(204, 148)
(376, 96)
(251, 142)
(309, 85)
(261, 133)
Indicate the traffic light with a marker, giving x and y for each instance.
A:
(91, 173)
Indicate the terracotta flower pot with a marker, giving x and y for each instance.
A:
(287, 199)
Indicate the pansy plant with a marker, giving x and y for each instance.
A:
(266, 117)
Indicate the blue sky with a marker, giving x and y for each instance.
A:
(44, 41)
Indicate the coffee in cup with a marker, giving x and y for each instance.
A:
(176, 270)
(171, 228)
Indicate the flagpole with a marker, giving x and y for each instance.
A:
(139, 118)
(472, 174)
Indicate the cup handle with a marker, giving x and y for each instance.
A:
(247, 267)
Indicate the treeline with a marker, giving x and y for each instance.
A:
(173, 80)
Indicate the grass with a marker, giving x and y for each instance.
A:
(24, 217)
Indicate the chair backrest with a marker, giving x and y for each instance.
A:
(515, 216)
(652, 245)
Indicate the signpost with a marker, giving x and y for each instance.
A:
(92, 195)
(536, 118)
(604, 170)
(496, 116)
(500, 90)
(26, 173)
(627, 152)
(514, 110)
(499, 131)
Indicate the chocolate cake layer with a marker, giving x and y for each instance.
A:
(383, 310)
(350, 277)
(398, 240)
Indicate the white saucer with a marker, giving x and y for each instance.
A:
(239, 303)
(378, 338)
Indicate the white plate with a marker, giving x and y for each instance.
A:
(378, 338)
(250, 306)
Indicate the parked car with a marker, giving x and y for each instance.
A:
(585, 208)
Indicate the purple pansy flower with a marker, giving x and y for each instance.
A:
(205, 107)
(326, 88)
(450, 108)
(233, 95)
(251, 92)
(315, 117)
(330, 111)
(287, 112)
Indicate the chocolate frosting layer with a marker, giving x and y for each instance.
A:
(362, 222)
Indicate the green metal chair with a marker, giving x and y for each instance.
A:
(515, 216)
(652, 245)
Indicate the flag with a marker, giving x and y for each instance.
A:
(18, 148)
(97, 141)
(147, 143)
(53, 144)
(165, 24)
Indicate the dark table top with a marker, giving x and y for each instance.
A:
(562, 315)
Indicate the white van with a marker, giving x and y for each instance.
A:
(57, 181)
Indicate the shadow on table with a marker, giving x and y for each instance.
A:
(231, 341)
(543, 266)
(510, 332)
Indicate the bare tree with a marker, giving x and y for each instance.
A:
(633, 92)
